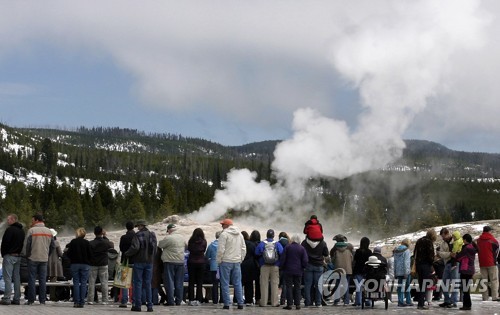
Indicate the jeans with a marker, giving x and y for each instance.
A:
(173, 278)
(358, 282)
(312, 276)
(141, 276)
(102, 272)
(10, 273)
(404, 289)
(37, 268)
(347, 295)
(451, 278)
(80, 273)
(231, 272)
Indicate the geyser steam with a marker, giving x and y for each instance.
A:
(398, 57)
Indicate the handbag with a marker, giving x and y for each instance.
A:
(123, 276)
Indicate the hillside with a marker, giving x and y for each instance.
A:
(104, 175)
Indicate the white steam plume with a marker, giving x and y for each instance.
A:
(398, 58)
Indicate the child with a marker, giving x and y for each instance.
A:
(457, 247)
(313, 229)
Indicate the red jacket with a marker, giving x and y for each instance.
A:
(487, 250)
(313, 230)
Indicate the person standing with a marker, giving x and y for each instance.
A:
(424, 258)
(402, 269)
(341, 255)
(125, 243)
(38, 243)
(143, 250)
(230, 254)
(211, 256)
(317, 251)
(173, 246)
(269, 262)
(99, 264)
(361, 256)
(249, 269)
(78, 252)
(54, 266)
(487, 247)
(466, 257)
(450, 274)
(293, 263)
(12, 245)
(197, 245)
(284, 240)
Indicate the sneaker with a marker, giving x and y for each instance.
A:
(445, 304)
(402, 305)
(410, 304)
(135, 309)
(4, 302)
(425, 307)
(15, 303)
(465, 308)
(319, 306)
(297, 307)
(225, 307)
(150, 309)
(451, 305)
(122, 305)
(240, 307)
(288, 307)
(90, 303)
(28, 303)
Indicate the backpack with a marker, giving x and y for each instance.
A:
(270, 254)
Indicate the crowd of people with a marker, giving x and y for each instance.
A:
(273, 271)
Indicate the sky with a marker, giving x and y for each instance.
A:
(352, 78)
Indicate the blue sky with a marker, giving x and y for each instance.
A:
(236, 72)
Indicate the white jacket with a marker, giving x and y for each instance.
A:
(232, 248)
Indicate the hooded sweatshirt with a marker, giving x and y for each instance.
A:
(342, 256)
(487, 250)
(402, 261)
(316, 251)
(232, 248)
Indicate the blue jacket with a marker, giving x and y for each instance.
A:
(211, 255)
(402, 261)
(260, 250)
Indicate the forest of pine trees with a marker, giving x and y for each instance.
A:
(179, 175)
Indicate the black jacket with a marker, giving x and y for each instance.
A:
(79, 251)
(99, 248)
(13, 239)
(125, 243)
